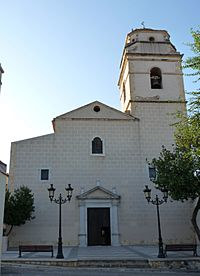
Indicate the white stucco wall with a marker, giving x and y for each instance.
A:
(67, 154)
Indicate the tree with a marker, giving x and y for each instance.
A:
(187, 130)
(194, 62)
(175, 171)
(187, 134)
(178, 170)
(18, 207)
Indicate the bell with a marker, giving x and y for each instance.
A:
(155, 82)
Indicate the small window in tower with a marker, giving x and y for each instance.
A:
(156, 78)
(97, 146)
(151, 39)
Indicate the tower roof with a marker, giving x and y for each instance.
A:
(149, 41)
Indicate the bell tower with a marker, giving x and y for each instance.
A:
(151, 84)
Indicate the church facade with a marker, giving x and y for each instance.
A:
(103, 153)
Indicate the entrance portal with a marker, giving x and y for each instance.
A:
(98, 225)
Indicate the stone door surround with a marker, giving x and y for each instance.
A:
(98, 197)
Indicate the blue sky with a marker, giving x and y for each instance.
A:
(61, 54)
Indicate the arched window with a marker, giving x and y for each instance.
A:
(97, 146)
(156, 78)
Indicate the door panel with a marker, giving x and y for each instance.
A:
(98, 225)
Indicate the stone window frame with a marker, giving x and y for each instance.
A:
(44, 170)
(103, 146)
(156, 74)
(151, 172)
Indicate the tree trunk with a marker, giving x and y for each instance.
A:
(194, 218)
(11, 227)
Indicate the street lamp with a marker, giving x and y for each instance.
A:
(197, 174)
(157, 202)
(60, 201)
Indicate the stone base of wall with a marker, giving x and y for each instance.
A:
(4, 244)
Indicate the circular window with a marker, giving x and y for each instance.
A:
(96, 108)
(151, 39)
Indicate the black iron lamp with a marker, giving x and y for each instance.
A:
(147, 193)
(157, 202)
(165, 194)
(69, 190)
(51, 192)
(60, 200)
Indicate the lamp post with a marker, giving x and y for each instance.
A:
(157, 202)
(60, 200)
(197, 174)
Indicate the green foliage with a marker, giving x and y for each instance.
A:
(194, 62)
(18, 206)
(7, 208)
(194, 103)
(187, 132)
(175, 171)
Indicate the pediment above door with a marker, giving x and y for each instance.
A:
(98, 193)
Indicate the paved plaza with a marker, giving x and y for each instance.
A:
(140, 257)
(24, 270)
(135, 252)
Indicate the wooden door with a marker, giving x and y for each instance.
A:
(98, 225)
